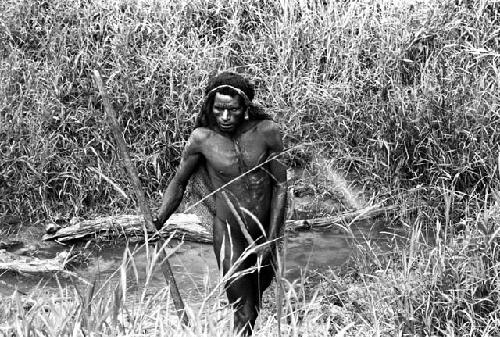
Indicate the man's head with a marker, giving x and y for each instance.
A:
(229, 111)
(228, 102)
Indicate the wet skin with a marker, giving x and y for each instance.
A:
(234, 147)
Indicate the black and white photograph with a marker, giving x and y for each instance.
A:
(223, 168)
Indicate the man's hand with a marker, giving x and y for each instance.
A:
(158, 223)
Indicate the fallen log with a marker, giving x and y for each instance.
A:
(370, 212)
(32, 265)
(180, 225)
(189, 226)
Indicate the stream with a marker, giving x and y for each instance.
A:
(194, 264)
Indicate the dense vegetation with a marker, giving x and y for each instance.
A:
(403, 96)
(398, 94)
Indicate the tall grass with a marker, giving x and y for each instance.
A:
(429, 287)
(415, 289)
(125, 305)
(405, 93)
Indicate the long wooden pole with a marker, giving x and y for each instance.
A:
(139, 193)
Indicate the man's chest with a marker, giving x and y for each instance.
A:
(233, 156)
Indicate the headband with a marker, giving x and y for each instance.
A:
(227, 86)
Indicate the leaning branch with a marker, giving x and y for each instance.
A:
(141, 198)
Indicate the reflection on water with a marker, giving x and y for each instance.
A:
(195, 267)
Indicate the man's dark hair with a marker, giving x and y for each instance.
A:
(233, 84)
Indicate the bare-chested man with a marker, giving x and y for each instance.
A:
(233, 136)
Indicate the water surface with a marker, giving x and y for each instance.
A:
(194, 264)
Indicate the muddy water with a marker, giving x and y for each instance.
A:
(195, 266)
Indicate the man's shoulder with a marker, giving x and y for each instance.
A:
(271, 133)
(200, 134)
(198, 139)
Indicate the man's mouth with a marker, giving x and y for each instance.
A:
(226, 126)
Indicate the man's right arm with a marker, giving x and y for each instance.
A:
(191, 158)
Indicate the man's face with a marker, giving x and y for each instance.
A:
(228, 112)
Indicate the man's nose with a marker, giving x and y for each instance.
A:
(225, 115)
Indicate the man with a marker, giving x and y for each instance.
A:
(238, 145)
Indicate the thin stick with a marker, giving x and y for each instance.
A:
(141, 198)
(111, 182)
(279, 285)
(238, 219)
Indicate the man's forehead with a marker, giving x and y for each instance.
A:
(221, 99)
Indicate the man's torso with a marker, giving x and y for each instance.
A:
(226, 159)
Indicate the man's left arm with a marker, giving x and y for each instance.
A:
(278, 174)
